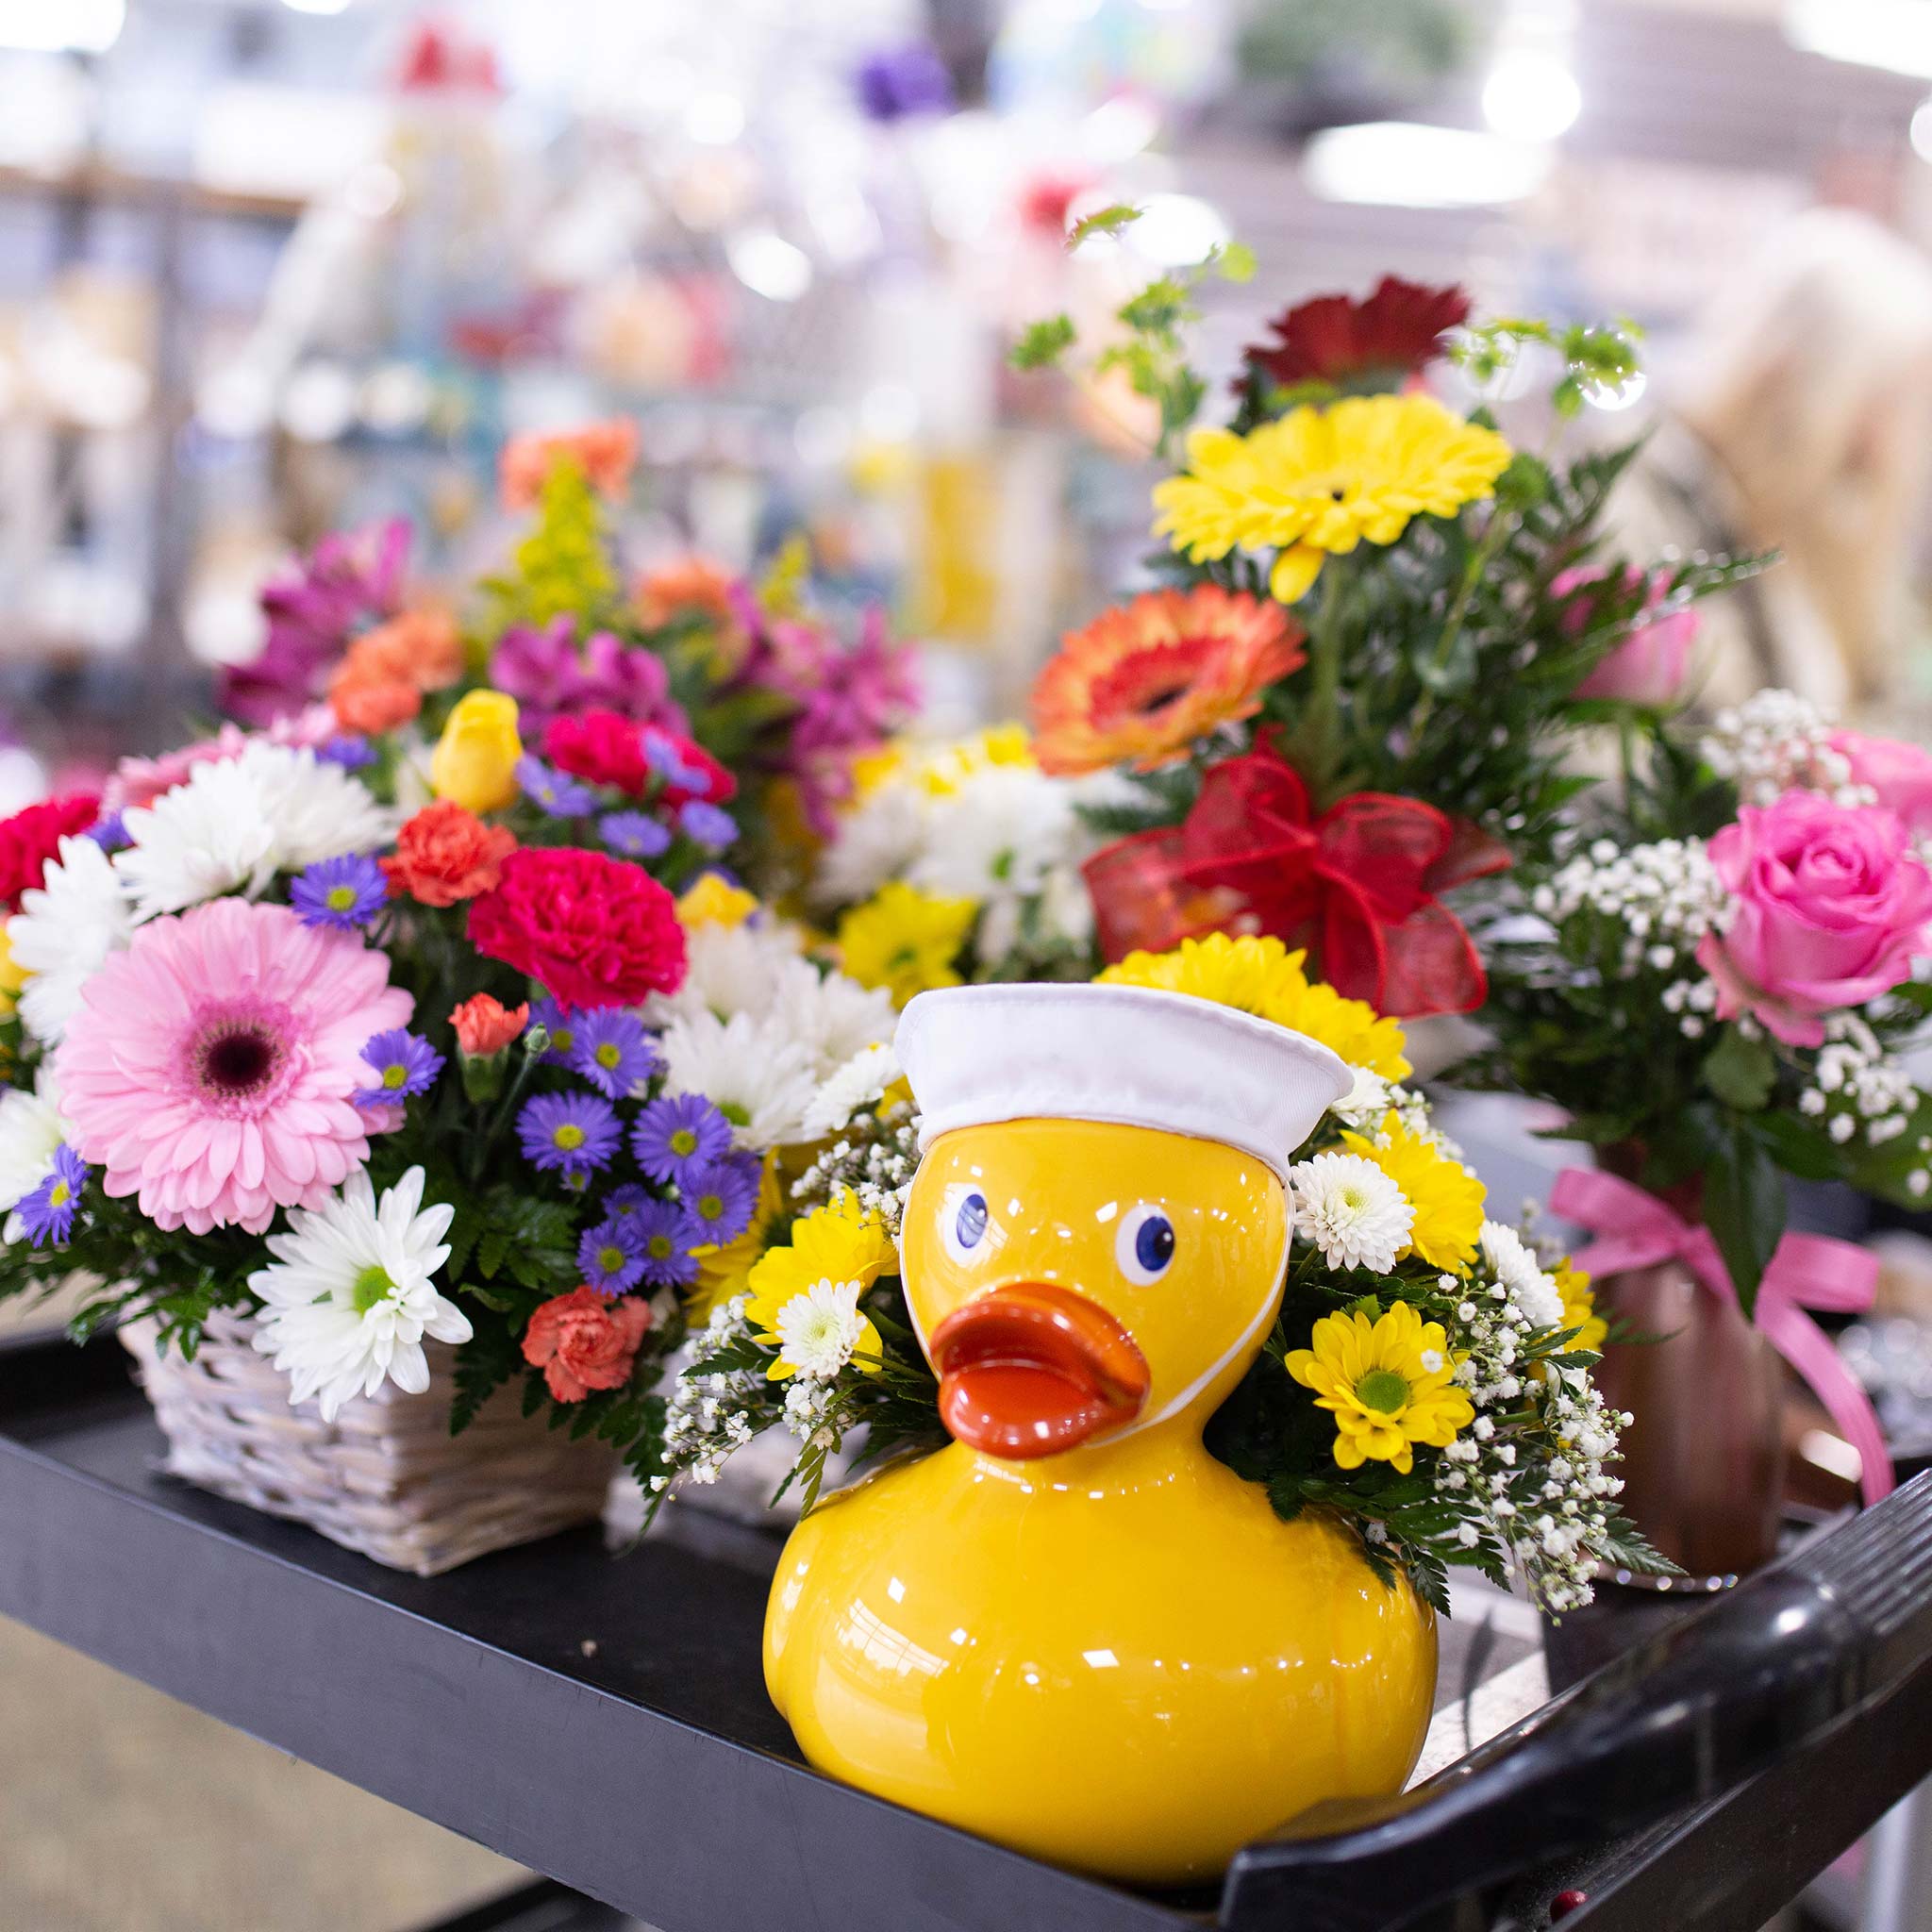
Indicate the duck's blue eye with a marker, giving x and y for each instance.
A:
(969, 1224)
(1145, 1245)
(1154, 1244)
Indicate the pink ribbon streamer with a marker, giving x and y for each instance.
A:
(1634, 1230)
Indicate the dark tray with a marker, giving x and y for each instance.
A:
(605, 1721)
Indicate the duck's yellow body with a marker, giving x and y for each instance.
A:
(1112, 1655)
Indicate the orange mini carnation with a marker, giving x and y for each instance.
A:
(582, 1341)
(445, 854)
(604, 451)
(690, 585)
(419, 647)
(1143, 683)
(484, 1025)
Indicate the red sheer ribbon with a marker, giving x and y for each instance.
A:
(1356, 886)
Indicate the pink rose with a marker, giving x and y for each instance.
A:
(1900, 775)
(1832, 903)
(1647, 667)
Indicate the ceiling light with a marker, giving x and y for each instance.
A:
(1531, 96)
(1892, 34)
(769, 265)
(1409, 164)
(62, 26)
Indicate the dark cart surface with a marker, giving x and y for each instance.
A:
(605, 1722)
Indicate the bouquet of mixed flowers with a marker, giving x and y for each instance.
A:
(1428, 1373)
(746, 673)
(1353, 692)
(387, 1036)
(1717, 971)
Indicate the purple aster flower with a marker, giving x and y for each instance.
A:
(561, 797)
(897, 82)
(634, 833)
(345, 893)
(47, 1213)
(665, 1240)
(611, 1255)
(109, 832)
(710, 825)
(612, 1051)
(345, 749)
(627, 1199)
(569, 1133)
(561, 1027)
(720, 1198)
(402, 1063)
(677, 1136)
(661, 754)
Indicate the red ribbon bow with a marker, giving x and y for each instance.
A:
(1356, 886)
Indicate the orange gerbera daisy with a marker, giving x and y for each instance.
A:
(1143, 683)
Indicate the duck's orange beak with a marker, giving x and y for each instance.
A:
(1032, 1369)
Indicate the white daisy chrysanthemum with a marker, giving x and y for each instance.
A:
(65, 928)
(819, 1329)
(831, 1015)
(1351, 1210)
(32, 1129)
(1511, 1264)
(858, 1083)
(237, 822)
(872, 843)
(729, 968)
(753, 1070)
(350, 1296)
(997, 836)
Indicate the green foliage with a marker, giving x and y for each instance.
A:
(1042, 344)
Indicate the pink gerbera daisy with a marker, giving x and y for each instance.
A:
(212, 1064)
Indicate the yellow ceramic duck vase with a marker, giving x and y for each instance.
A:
(1073, 1629)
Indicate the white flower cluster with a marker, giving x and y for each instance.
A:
(1665, 895)
(1549, 1517)
(1351, 1210)
(874, 1158)
(1372, 1099)
(775, 1043)
(1858, 1089)
(708, 1418)
(972, 820)
(1775, 741)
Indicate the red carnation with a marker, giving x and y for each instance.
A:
(594, 931)
(1361, 345)
(582, 1341)
(602, 748)
(688, 770)
(31, 838)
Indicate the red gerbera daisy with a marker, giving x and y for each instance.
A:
(1361, 345)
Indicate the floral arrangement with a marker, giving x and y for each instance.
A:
(380, 1029)
(956, 862)
(1353, 692)
(1428, 1373)
(1715, 975)
(746, 673)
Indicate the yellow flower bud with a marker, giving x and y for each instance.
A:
(713, 901)
(475, 760)
(12, 977)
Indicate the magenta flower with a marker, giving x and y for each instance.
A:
(550, 677)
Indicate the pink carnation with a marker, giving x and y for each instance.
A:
(1899, 774)
(1832, 903)
(210, 1065)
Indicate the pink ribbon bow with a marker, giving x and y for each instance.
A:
(1634, 1230)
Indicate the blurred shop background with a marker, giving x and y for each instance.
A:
(271, 268)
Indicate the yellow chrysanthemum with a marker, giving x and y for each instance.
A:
(1351, 1028)
(12, 977)
(1387, 1384)
(723, 1272)
(1579, 1307)
(905, 940)
(1321, 480)
(948, 766)
(1446, 1197)
(1260, 975)
(715, 901)
(840, 1249)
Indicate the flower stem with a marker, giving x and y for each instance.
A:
(1320, 738)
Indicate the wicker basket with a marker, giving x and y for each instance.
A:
(386, 1477)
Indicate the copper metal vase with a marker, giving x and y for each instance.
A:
(1703, 1462)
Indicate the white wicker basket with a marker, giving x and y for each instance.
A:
(386, 1477)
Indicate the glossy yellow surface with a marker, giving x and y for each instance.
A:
(1116, 1657)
